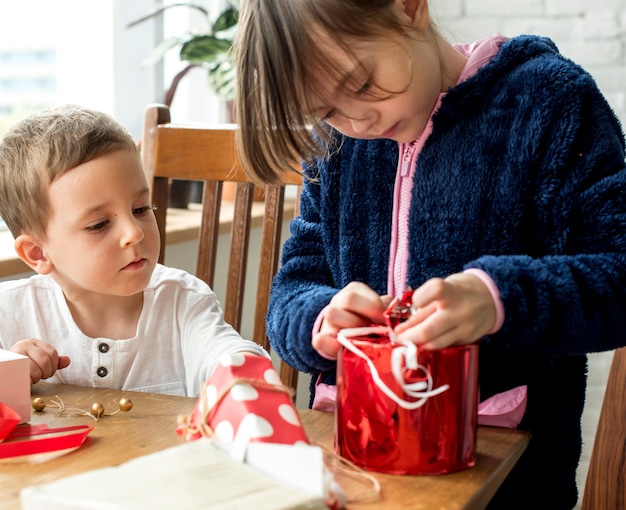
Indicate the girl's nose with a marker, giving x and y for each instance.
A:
(361, 126)
(362, 119)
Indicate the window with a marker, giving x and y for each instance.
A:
(72, 51)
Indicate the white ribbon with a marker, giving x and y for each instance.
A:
(403, 355)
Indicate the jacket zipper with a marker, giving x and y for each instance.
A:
(402, 197)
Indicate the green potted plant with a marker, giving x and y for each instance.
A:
(210, 50)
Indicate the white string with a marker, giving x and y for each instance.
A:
(405, 353)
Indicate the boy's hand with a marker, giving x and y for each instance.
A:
(44, 359)
(353, 306)
(455, 311)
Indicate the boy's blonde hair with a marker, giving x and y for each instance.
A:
(41, 148)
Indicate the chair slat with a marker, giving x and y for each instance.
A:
(160, 197)
(605, 486)
(239, 243)
(270, 249)
(209, 231)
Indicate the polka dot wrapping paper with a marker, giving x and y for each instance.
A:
(244, 401)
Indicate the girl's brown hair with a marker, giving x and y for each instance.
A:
(41, 148)
(280, 60)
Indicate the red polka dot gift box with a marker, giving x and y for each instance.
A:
(244, 401)
(245, 409)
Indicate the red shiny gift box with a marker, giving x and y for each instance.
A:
(403, 410)
(244, 401)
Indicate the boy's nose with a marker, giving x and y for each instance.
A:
(132, 233)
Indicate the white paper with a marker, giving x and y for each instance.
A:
(192, 476)
(299, 465)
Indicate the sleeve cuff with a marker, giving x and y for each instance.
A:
(316, 329)
(495, 297)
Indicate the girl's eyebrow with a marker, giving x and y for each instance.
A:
(345, 78)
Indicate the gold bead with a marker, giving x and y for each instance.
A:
(97, 409)
(38, 404)
(125, 404)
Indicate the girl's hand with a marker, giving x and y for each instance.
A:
(457, 310)
(353, 306)
(44, 359)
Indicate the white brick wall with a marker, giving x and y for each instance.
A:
(592, 33)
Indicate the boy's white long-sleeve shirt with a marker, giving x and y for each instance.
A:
(181, 334)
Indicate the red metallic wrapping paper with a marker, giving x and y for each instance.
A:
(36, 443)
(376, 433)
(244, 401)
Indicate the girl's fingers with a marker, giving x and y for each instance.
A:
(326, 345)
(440, 328)
(418, 316)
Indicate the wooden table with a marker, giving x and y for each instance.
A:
(497, 452)
(150, 425)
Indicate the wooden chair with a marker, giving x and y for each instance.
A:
(207, 153)
(605, 486)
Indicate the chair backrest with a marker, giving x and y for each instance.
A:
(605, 486)
(207, 153)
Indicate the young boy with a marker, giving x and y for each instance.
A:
(100, 312)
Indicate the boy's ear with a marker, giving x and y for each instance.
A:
(417, 11)
(29, 249)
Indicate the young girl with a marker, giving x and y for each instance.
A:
(490, 177)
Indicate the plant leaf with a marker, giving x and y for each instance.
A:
(204, 48)
(226, 20)
(221, 78)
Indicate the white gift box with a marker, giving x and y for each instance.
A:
(15, 383)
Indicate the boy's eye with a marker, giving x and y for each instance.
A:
(97, 227)
(141, 211)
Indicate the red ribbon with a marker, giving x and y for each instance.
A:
(15, 442)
